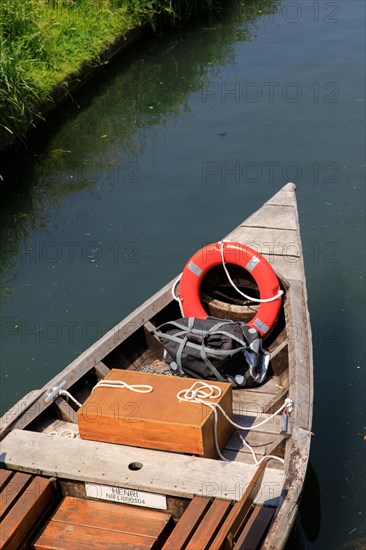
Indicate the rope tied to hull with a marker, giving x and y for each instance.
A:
(201, 392)
(69, 396)
(138, 388)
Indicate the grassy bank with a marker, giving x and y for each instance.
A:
(43, 42)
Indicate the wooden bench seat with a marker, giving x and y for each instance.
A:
(90, 524)
(161, 472)
(25, 501)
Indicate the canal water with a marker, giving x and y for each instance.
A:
(168, 149)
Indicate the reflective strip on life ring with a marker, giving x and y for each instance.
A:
(243, 256)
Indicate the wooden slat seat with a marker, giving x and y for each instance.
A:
(91, 524)
(188, 523)
(13, 491)
(202, 538)
(219, 524)
(4, 477)
(251, 536)
(25, 501)
(239, 512)
(199, 524)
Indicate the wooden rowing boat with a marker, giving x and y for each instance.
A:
(57, 486)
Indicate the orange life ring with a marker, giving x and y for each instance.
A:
(247, 258)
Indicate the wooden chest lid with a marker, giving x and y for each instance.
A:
(159, 405)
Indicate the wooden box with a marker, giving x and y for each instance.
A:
(156, 420)
(81, 523)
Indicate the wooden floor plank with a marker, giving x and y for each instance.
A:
(16, 525)
(239, 512)
(272, 426)
(62, 536)
(83, 523)
(187, 524)
(272, 385)
(5, 476)
(262, 443)
(254, 531)
(253, 515)
(62, 428)
(12, 491)
(108, 515)
(108, 464)
(247, 403)
(209, 526)
(247, 458)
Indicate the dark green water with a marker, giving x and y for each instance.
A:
(169, 149)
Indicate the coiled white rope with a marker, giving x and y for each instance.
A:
(137, 388)
(200, 392)
(259, 300)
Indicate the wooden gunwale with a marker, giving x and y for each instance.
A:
(281, 245)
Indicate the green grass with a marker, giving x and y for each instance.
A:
(42, 42)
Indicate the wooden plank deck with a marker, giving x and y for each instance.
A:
(25, 501)
(161, 472)
(95, 525)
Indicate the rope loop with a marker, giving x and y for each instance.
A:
(137, 388)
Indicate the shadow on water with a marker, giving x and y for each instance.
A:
(102, 129)
(307, 524)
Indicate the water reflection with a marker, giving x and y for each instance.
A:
(105, 129)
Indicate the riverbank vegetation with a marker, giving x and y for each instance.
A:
(43, 42)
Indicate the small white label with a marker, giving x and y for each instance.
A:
(124, 495)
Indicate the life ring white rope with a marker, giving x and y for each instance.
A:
(258, 300)
(175, 296)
